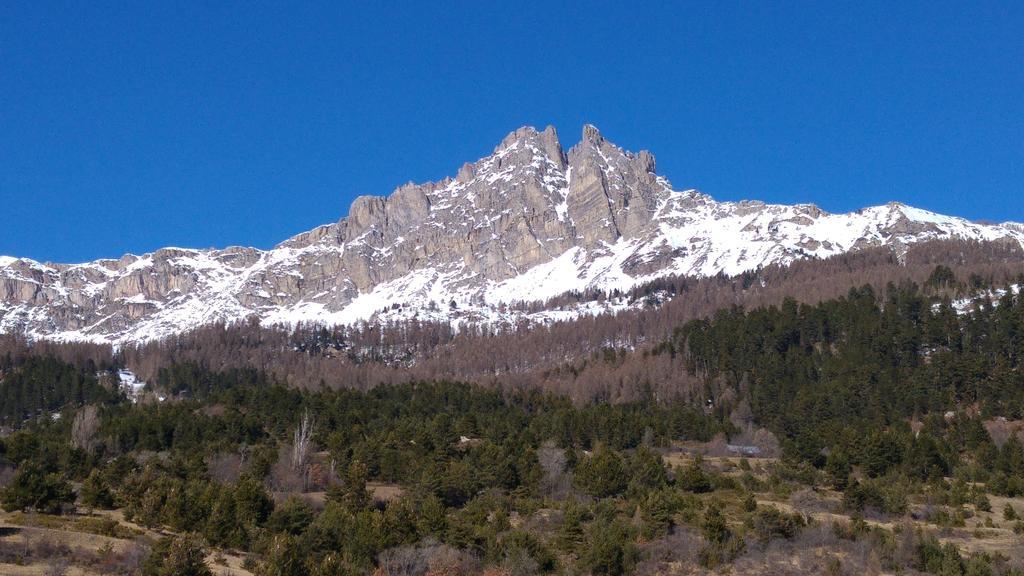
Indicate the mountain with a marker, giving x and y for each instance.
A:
(524, 224)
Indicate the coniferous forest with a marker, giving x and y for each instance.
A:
(871, 429)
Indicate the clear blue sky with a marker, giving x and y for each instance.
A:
(126, 127)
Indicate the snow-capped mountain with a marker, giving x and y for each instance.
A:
(526, 223)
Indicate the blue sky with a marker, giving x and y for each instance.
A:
(126, 127)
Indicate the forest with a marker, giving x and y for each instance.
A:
(560, 356)
(872, 429)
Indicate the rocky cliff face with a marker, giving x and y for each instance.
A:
(526, 223)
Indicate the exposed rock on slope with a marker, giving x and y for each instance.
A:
(526, 223)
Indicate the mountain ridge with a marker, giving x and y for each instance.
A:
(526, 223)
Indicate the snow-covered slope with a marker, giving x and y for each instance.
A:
(526, 223)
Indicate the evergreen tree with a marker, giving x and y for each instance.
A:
(609, 549)
(291, 517)
(95, 492)
(1009, 513)
(722, 545)
(222, 527)
(838, 468)
(882, 452)
(692, 477)
(33, 488)
(570, 533)
(355, 496)
(432, 516)
(185, 557)
(282, 558)
(657, 512)
(714, 528)
(602, 474)
(647, 471)
(252, 503)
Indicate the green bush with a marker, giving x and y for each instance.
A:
(769, 523)
(885, 497)
(1009, 513)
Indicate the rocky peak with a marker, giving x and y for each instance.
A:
(527, 222)
(592, 135)
(526, 146)
(552, 147)
(612, 192)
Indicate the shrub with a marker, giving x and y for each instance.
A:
(769, 523)
(749, 502)
(887, 498)
(1009, 513)
(722, 545)
(692, 478)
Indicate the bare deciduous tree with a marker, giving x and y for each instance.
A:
(301, 446)
(58, 567)
(556, 481)
(84, 428)
(427, 557)
(520, 356)
(225, 467)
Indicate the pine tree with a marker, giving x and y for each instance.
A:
(34, 488)
(609, 549)
(570, 533)
(602, 474)
(151, 506)
(282, 558)
(252, 503)
(432, 516)
(291, 517)
(838, 468)
(657, 512)
(648, 471)
(692, 477)
(95, 492)
(356, 496)
(177, 511)
(222, 527)
(1009, 513)
(722, 545)
(714, 528)
(185, 557)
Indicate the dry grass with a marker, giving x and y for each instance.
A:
(45, 542)
(381, 492)
(47, 551)
(683, 453)
(224, 564)
(385, 492)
